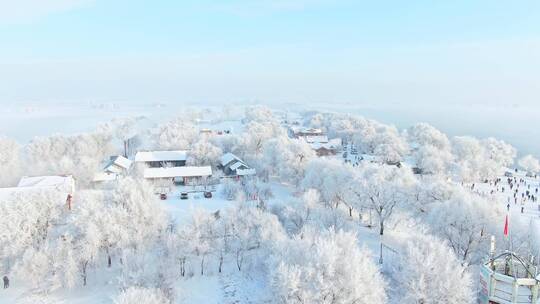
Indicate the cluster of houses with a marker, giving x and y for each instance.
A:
(317, 139)
(170, 167)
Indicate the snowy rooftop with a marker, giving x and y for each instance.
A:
(118, 164)
(186, 171)
(305, 130)
(237, 165)
(161, 156)
(317, 139)
(332, 144)
(227, 158)
(60, 182)
(121, 161)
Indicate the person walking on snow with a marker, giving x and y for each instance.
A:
(6, 282)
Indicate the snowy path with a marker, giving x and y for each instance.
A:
(230, 290)
(239, 288)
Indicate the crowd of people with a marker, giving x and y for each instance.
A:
(519, 190)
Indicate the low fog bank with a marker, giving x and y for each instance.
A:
(512, 123)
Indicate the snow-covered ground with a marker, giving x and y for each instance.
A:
(240, 286)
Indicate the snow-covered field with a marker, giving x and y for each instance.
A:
(305, 229)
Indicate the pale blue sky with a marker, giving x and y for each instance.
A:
(485, 52)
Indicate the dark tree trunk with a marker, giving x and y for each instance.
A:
(202, 265)
(84, 274)
(183, 266)
(220, 263)
(239, 259)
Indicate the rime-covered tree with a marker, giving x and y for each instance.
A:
(465, 221)
(80, 155)
(384, 188)
(10, 162)
(204, 153)
(326, 267)
(286, 158)
(334, 180)
(480, 160)
(431, 149)
(530, 164)
(177, 134)
(430, 273)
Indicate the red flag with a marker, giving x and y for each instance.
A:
(506, 226)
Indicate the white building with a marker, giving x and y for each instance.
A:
(160, 159)
(164, 167)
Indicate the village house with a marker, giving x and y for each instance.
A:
(232, 165)
(185, 175)
(117, 166)
(326, 147)
(300, 132)
(166, 167)
(317, 139)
